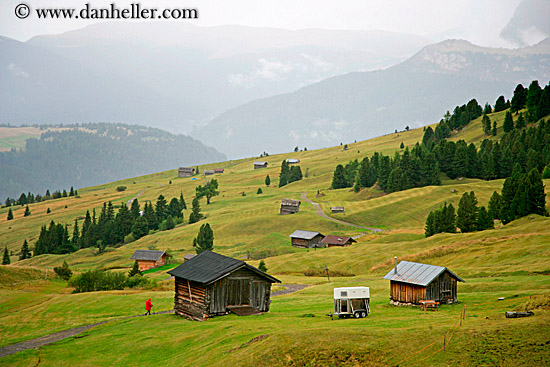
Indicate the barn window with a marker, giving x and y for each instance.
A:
(343, 293)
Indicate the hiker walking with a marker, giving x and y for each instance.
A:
(148, 306)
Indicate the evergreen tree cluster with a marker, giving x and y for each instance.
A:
(204, 240)
(30, 198)
(441, 220)
(110, 228)
(289, 174)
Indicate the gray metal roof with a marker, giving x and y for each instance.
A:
(149, 255)
(208, 266)
(416, 273)
(306, 235)
(260, 163)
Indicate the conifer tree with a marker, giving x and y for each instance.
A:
(486, 124)
(532, 100)
(494, 205)
(161, 208)
(519, 98)
(71, 192)
(183, 205)
(25, 251)
(546, 172)
(169, 223)
(536, 197)
(262, 266)
(135, 270)
(285, 173)
(487, 109)
(429, 229)
(150, 216)
(135, 209)
(27, 212)
(259, 191)
(6, 258)
(520, 123)
(338, 179)
(195, 215)
(10, 214)
(267, 180)
(467, 213)
(205, 239)
(175, 209)
(484, 220)
(140, 228)
(48, 211)
(500, 104)
(76, 235)
(494, 129)
(295, 174)
(508, 124)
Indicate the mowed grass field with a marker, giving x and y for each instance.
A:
(510, 261)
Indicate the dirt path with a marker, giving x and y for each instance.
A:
(60, 335)
(290, 288)
(320, 213)
(129, 203)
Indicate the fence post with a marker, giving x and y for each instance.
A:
(443, 342)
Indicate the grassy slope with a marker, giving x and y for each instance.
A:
(507, 261)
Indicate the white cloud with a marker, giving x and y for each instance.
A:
(17, 71)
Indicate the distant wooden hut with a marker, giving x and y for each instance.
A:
(292, 161)
(260, 164)
(331, 241)
(337, 209)
(188, 257)
(306, 239)
(186, 171)
(289, 206)
(412, 282)
(218, 170)
(208, 172)
(148, 259)
(211, 284)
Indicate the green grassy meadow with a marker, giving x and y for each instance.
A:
(510, 261)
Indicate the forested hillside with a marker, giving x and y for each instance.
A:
(91, 154)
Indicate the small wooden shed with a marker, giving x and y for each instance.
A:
(337, 209)
(186, 171)
(306, 239)
(211, 284)
(260, 164)
(289, 206)
(148, 259)
(330, 241)
(208, 172)
(412, 282)
(218, 170)
(292, 161)
(188, 257)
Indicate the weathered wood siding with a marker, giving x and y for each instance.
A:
(289, 209)
(314, 242)
(443, 289)
(191, 299)
(407, 293)
(145, 264)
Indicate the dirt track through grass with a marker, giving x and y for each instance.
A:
(322, 214)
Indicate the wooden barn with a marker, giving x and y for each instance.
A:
(208, 172)
(413, 282)
(289, 206)
(260, 164)
(331, 241)
(188, 257)
(211, 284)
(186, 171)
(337, 209)
(148, 259)
(292, 161)
(306, 239)
(218, 170)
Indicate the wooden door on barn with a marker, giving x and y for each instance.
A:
(238, 292)
(258, 295)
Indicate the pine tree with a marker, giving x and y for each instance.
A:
(545, 172)
(401, 146)
(259, 191)
(6, 258)
(195, 215)
(536, 198)
(205, 239)
(183, 205)
(500, 104)
(71, 192)
(150, 216)
(175, 209)
(487, 109)
(429, 229)
(140, 228)
(267, 180)
(494, 129)
(135, 270)
(339, 178)
(161, 208)
(519, 98)
(48, 211)
(262, 266)
(123, 223)
(135, 209)
(532, 100)
(449, 219)
(285, 173)
(508, 124)
(467, 213)
(494, 205)
(10, 214)
(76, 235)
(520, 123)
(27, 212)
(484, 220)
(197, 170)
(25, 251)
(295, 174)
(170, 224)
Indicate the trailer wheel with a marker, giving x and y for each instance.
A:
(357, 315)
(363, 314)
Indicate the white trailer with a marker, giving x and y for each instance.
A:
(351, 301)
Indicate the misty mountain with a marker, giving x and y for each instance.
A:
(361, 105)
(174, 75)
(529, 24)
(92, 154)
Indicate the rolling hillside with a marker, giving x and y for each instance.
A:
(509, 261)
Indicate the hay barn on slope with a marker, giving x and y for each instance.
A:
(331, 241)
(306, 239)
(148, 259)
(413, 282)
(186, 171)
(260, 164)
(289, 206)
(211, 284)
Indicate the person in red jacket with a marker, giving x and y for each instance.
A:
(148, 306)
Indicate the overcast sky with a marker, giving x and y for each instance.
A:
(478, 21)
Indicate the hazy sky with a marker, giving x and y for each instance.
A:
(478, 21)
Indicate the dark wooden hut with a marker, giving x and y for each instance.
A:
(218, 170)
(330, 241)
(148, 259)
(337, 209)
(413, 282)
(289, 206)
(260, 164)
(292, 161)
(186, 171)
(211, 284)
(306, 239)
(208, 172)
